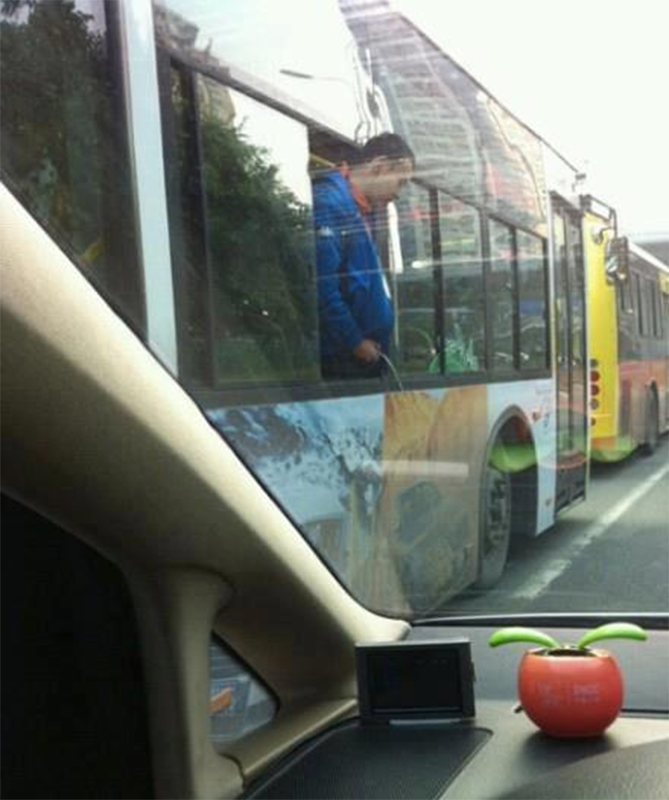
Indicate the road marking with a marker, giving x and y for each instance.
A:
(555, 568)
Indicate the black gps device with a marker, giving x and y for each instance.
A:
(415, 680)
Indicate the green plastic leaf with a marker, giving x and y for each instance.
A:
(614, 630)
(510, 635)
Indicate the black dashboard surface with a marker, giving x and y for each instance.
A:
(500, 754)
(375, 762)
(517, 754)
(639, 771)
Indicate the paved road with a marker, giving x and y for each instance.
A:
(610, 553)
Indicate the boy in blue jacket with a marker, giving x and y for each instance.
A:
(355, 309)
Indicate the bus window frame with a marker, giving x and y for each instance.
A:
(637, 300)
(660, 309)
(217, 392)
(124, 292)
(652, 302)
(512, 371)
(438, 277)
(546, 297)
(624, 292)
(517, 372)
(176, 192)
(168, 59)
(484, 370)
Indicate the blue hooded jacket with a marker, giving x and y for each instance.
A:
(353, 301)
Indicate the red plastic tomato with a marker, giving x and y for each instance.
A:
(568, 693)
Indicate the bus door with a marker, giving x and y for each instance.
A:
(569, 293)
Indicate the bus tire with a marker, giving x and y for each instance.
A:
(652, 425)
(495, 527)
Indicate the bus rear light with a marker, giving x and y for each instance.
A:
(594, 390)
(593, 421)
(595, 376)
(594, 363)
(594, 404)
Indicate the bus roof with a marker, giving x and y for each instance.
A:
(383, 8)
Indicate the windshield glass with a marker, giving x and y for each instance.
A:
(371, 240)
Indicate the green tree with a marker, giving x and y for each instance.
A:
(262, 260)
(52, 65)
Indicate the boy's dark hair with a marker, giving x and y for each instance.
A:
(389, 145)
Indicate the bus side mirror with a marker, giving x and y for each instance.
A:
(617, 259)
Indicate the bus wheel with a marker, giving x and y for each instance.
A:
(495, 527)
(652, 426)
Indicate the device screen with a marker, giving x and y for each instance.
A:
(414, 681)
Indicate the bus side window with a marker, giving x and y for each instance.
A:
(652, 302)
(659, 310)
(414, 284)
(647, 319)
(64, 151)
(638, 303)
(252, 240)
(625, 295)
(532, 292)
(462, 276)
(502, 296)
(647, 309)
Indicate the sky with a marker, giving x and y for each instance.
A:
(590, 76)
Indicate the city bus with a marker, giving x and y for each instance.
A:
(179, 179)
(628, 308)
(484, 260)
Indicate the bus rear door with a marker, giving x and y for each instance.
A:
(571, 360)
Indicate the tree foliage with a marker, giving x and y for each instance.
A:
(260, 240)
(52, 66)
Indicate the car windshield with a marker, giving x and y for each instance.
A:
(413, 269)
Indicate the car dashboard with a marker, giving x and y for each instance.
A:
(500, 753)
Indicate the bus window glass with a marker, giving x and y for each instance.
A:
(624, 298)
(638, 301)
(64, 151)
(577, 307)
(462, 270)
(258, 238)
(658, 311)
(532, 301)
(646, 318)
(645, 287)
(501, 296)
(654, 329)
(561, 319)
(321, 74)
(188, 242)
(415, 334)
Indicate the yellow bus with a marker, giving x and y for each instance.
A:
(628, 308)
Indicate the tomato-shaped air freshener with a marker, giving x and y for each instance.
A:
(567, 692)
